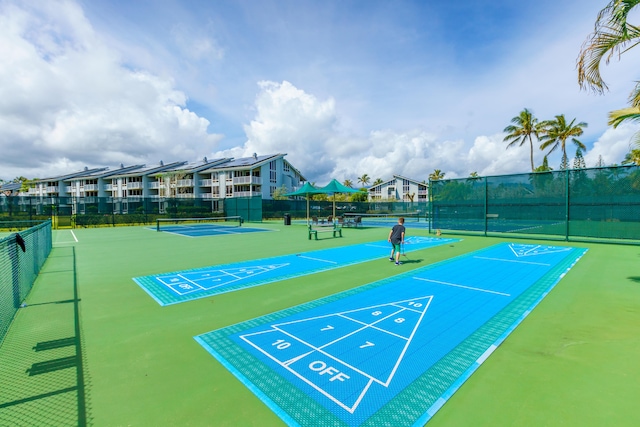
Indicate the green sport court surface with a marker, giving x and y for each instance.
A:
(572, 361)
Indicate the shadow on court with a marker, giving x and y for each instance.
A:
(41, 367)
(406, 260)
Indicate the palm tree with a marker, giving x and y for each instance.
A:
(378, 181)
(558, 131)
(632, 157)
(348, 183)
(544, 167)
(364, 179)
(524, 127)
(612, 35)
(436, 175)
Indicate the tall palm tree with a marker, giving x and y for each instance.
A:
(378, 181)
(558, 131)
(524, 127)
(612, 35)
(436, 175)
(364, 179)
(348, 183)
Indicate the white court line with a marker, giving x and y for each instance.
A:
(461, 286)
(512, 260)
(74, 236)
(318, 259)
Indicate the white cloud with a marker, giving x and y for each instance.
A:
(288, 120)
(613, 145)
(67, 101)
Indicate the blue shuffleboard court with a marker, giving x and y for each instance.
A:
(175, 287)
(391, 352)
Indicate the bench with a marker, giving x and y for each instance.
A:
(315, 229)
(353, 221)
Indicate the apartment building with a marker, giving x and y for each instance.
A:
(204, 179)
(400, 188)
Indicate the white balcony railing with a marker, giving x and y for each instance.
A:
(185, 196)
(205, 183)
(91, 187)
(247, 180)
(184, 183)
(52, 189)
(154, 184)
(109, 187)
(244, 193)
(134, 185)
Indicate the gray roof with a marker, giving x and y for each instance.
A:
(198, 166)
(245, 162)
(148, 170)
(71, 175)
(107, 172)
(11, 186)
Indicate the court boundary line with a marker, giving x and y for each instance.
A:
(462, 286)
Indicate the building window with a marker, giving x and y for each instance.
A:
(405, 186)
(272, 190)
(273, 177)
(229, 191)
(285, 167)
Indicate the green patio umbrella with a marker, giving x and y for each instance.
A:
(306, 190)
(335, 187)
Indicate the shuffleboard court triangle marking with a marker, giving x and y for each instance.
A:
(220, 277)
(522, 250)
(366, 320)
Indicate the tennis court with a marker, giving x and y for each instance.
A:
(91, 347)
(175, 287)
(198, 227)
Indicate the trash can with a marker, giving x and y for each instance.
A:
(287, 219)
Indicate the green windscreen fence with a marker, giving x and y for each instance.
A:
(297, 208)
(598, 203)
(249, 208)
(18, 268)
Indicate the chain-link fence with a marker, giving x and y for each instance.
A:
(21, 257)
(598, 203)
(275, 209)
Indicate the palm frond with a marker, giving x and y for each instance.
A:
(631, 114)
(612, 35)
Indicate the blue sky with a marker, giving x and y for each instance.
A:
(343, 87)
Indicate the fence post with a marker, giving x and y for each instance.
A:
(15, 271)
(486, 203)
(566, 237)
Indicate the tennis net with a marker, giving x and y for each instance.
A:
(181, 224)
(18, 269)
(382, 219)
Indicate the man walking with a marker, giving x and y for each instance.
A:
(396, 237)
